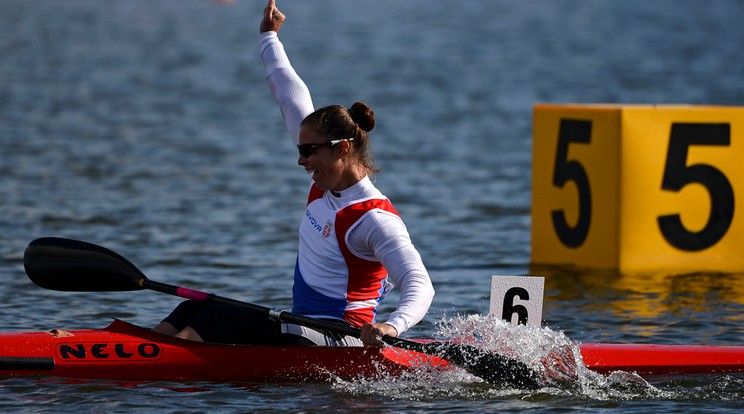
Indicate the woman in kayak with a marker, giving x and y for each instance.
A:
(353, 243)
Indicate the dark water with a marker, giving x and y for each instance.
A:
(146, 126)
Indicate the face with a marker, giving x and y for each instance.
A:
(325, 164)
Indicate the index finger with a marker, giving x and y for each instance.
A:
(270, 9)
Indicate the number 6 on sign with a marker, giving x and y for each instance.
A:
(518, 299)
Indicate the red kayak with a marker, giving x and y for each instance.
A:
(123, 351)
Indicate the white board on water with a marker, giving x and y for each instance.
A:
(518, 299)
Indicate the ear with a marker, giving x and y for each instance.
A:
(344, 147)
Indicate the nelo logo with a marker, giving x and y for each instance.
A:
(119, 351)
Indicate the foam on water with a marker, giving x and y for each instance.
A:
(554, 357)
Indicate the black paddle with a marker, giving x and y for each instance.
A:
(72, 265)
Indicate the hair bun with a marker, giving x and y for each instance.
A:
(362, 115)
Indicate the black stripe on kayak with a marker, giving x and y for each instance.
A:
(26, 363)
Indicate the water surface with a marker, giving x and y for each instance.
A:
(146, 126)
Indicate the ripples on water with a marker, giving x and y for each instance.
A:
(146, 126)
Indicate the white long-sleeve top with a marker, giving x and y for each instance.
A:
(378, 236)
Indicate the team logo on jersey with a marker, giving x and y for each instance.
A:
(327, 229)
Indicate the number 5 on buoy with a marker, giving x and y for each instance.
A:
(638, 187)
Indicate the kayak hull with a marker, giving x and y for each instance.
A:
(123, 351)
(648, 360)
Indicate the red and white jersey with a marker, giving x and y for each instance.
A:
(332, 280)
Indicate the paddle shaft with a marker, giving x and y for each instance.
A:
(275, 314)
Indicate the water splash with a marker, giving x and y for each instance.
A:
(554, 357)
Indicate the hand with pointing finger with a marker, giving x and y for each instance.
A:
(272, 18)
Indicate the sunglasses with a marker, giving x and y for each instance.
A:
(307, 150)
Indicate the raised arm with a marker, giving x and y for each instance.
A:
(290, 92)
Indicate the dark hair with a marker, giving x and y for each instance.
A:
(337, 122)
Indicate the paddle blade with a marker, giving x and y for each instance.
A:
(72, 265)
(490, 366)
